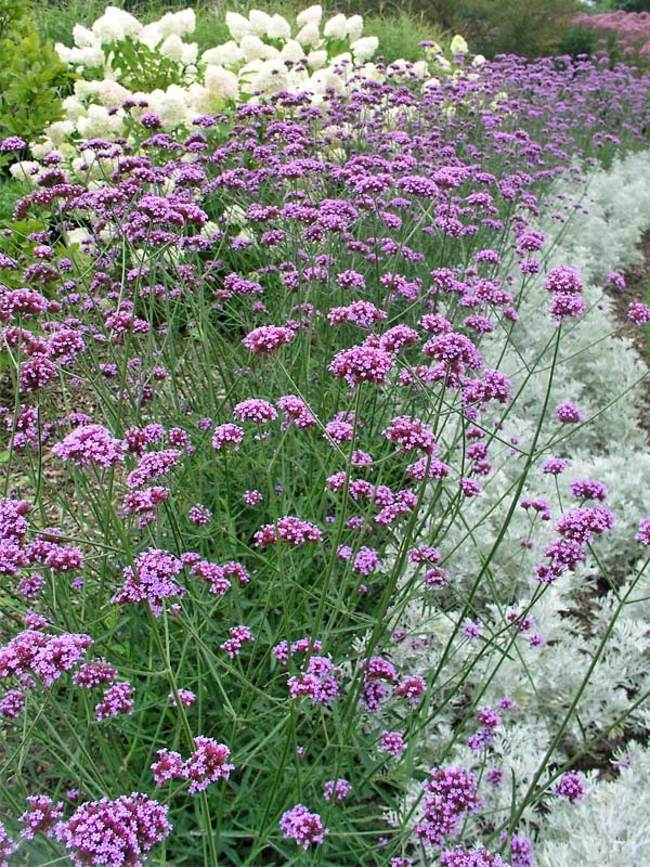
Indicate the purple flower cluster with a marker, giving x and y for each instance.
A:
(337, 790)
(576, 529)
(571, 786)
(89, 445)
(318, 681)
(114, 833)
(305, 828)
(289, 529)
(7, 846)
(41, 816)
(471, 858)
(207, 764)
(449, 794)
(36, 654)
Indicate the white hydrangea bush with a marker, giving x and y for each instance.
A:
(127, 69)
(577, 669)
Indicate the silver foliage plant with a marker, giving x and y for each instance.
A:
(578, 686)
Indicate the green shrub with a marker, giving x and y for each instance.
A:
(399, 35)
(494, 27)
(31, 74)
(631, 5)
(578, 40)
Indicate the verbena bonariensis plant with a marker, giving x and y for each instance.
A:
(249, 413)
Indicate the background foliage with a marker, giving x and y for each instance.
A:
(31, 74)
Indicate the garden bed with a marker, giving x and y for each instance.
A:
(323, 536)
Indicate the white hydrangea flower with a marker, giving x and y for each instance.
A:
(57, 133)
(111, 93)
(458, 45)
(151, 35)
(309, 34)
(44, 147)
(292, 50)
(73, 107)
(189, 55)
(238, 25)
(25, 170)
(343, 59)
(84, 88)
(323, 79)
(260, 22)
(354, 27)
(115, 24)
(296, 79)
(221, 82)
(310, 15)
(171, 106)
(227, 54)
(198, 99)
(371, 72)
(420, 69)
(279, 28)
(90, 57)
(179, 23)
(98, 123)
(172, 47)
(83, 37)
(255, 49)
(336, 27)
(66, 55)
(317, 59)
(363, 49)
(264, 77)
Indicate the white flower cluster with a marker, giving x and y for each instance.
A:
(127, 69)
(577, 618)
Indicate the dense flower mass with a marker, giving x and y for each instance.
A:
(449, 794)
(90, 444)
(630, 30)
(321, 454)
(114, 833)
